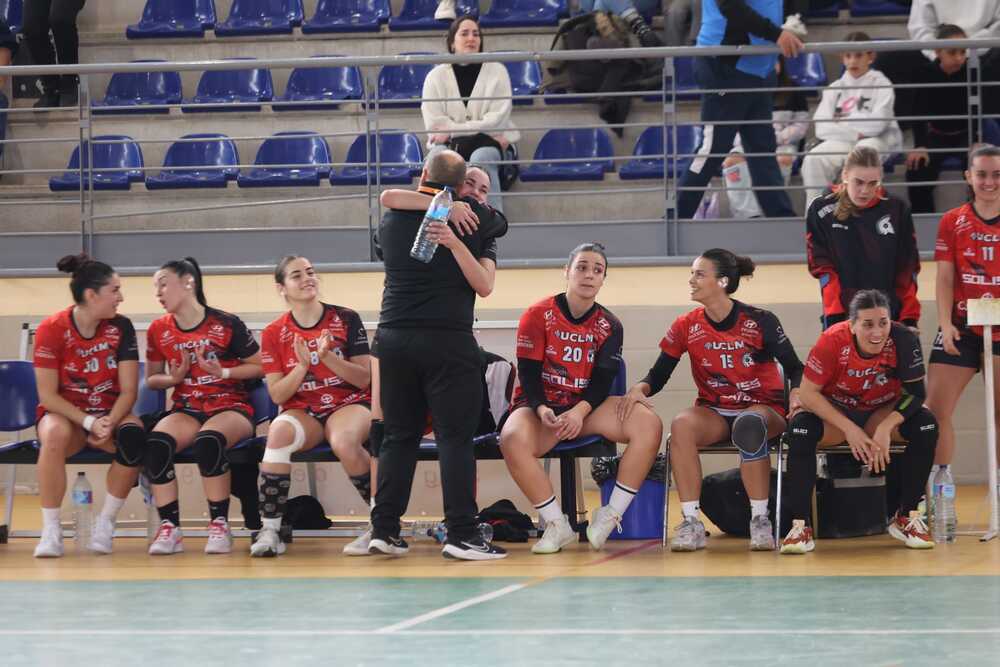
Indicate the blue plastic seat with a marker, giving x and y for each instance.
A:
(140, 90)
(306, 151)
(831, 12)
(18, 399)
(403, 85)
(321, 87)
(419, 14)
(12, 13)
(232, 90)
(648, 152)
(863, 8)
(173, 18)
(124, 157)
(590, 147)
(399, 155)
(525, 79)
(522, 13)
(807, 71)
(348, 16)
(210, 161)
(684, 82)
(261, 17)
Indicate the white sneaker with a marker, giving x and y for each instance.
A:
(603, 521)
(557, 534)
(267, 544)
(445, 10)
(689, 535)
(50, 545)
(220, 538)
(359, 545)
(761, 534)
(169, 540)
(104, 531)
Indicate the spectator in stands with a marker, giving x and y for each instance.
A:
(967, 253)
(631, 12)
(734, 350)
(735, 22)
(467, 107)
(87, 370)
(855, 110)
(569, 351)
(316, 363)
(58, 17)
(8, 47)
(208, 357)
(860, 237)
(923, 163)
(863, 384)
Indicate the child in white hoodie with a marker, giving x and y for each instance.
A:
(855, 110)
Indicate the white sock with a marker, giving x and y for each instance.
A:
(621, 498)
(372, 501)
(111, 507)
(549, 510)
(50, 517)
(758, 508)
(274, 524)
(690, 509)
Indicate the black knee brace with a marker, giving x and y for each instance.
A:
(210, 452)
(130, 445)
(921, 430)
(805, 430)
(749, 434)
(804, 433)
(921, 433)
(159, 459)
(375, 433)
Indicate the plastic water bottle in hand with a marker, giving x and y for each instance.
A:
(423, 247)
(945, 523)
(83, 512)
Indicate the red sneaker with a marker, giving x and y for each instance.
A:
(913, 531)
(799, 539)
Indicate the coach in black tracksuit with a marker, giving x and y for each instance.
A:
(429, 361)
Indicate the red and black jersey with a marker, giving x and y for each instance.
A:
(852, 381)
(221, 336)
(88, 367)
(972, 245)
(321, 391)
(569, 348)
(733, 362)
(876, 248)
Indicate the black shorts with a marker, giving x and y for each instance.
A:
(322, 417)
(970, 350)
(203, 417)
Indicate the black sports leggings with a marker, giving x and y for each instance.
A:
(59, 17)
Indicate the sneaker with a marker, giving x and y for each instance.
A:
(761, 534)
(799, 539)
(359, 545)
(48, 100)
(473, 549)
(169, 540)
(557, 535)
(445, 11)
(220, 538)
(603, 521)
(50, 545)
(267, 544)
(387, 545)
(104, 531)
(912, 530)
(689, 535)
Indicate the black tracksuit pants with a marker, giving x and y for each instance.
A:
(59, 17)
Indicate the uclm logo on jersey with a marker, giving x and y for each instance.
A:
(574, 336)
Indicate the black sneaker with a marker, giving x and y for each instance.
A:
(473, 549)
(388, 545)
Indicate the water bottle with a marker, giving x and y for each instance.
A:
(83, 512)
(423, 248)
(152, 516)
(944, 506)
(437, 531)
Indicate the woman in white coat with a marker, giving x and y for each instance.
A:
(466, 107)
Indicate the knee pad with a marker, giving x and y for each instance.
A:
(804, 433)
(130, 445)
(921, 429)
(284, 454)
(210, 452)
(749, 434)
(160, 450)
(375, 434)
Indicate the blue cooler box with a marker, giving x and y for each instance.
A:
(643, 519)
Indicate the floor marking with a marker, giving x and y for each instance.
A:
(450, 609)
(627, 552)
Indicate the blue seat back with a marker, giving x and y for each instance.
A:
(148, 400)
(204, 11)
(394, 147)
(12, 13)
(500, 9)
(171, 11)
(807, 70)
(143, 87)
(418, 9)
(403, 82)
(264, 408)
(211, 150)
(333, 9)
(879, 8)
(650, 142)
(335, 83)
(587, 144)
(262, 10)
(18, 395)
(525, 79)
(296, 147)
(239, 84)
(125, 153)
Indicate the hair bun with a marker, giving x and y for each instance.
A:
(72, 263)
(745, 265)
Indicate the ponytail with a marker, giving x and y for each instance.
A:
(189, 267)
(730, 266)
(87, 274)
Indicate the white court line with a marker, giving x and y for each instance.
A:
(499, 632)
(450, 609)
